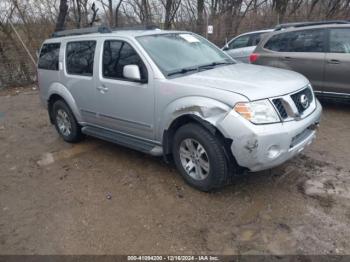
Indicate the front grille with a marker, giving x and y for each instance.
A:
(299, 102)
(280, 108)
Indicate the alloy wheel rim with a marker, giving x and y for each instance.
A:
(194, 159)
(63, 122)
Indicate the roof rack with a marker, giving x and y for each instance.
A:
(82, 31)
(101, 29)
(302, 24)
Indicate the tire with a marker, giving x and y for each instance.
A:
(208, 169)
(63, 117)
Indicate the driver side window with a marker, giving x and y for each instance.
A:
(116, 55)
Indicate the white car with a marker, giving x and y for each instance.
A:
(242, 46)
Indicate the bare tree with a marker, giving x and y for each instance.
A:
(200, 16)
(77, 12)
(94, 14)
(61, 15)
(116, 21)
(280, 6)
(171, 7)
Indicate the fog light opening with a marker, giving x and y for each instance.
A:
(273, 151)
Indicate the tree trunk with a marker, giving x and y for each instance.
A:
(146, 12)
(110, 11)
(117, 13)
(61, 15)
(200, 13)
(167, 22)
(94, 14)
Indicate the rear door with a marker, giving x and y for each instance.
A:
(78, 75)
(301, 51)
(337, 71)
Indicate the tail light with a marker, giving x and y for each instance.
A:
(253, 57)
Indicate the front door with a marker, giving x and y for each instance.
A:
(337, 75)
(124, 105)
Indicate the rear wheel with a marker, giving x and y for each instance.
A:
(65, 122)
(200, 157)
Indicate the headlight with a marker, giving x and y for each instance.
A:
(258, 112)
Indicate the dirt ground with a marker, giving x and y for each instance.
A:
(99, 198)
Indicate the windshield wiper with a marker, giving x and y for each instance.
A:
(183, 71)
(209, 66)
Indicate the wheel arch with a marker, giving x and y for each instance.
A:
(191, 118)
(60, 92)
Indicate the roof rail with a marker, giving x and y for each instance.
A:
(302, 24)
(82, 31)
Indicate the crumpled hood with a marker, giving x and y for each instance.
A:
(253, 81)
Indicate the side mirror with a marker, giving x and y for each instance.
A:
(226, 47)
(132, 72)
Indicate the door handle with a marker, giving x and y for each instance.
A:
(102, 89)
(334, 61)
(287, 58)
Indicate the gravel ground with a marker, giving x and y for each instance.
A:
(99, 198)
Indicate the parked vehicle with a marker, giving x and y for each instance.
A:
(175, 94)
(242, 46)
(320, 51)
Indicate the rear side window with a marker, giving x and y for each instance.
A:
(297, 41)
(49, 55)
(80, 57)
(339, 41)
(116, 55)
(245, 41)
(240, 42)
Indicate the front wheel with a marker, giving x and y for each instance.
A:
(200, 157)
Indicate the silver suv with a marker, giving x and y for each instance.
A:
(174, 94)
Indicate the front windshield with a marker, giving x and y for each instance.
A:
(182, 52)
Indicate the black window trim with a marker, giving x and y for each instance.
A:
(58, 60)
(145, 81)
(65, 58)
(325, 39)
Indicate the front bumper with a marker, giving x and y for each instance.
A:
(260, 147)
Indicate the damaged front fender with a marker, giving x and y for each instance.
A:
(206, 109)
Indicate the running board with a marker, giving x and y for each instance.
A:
(123, 140)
